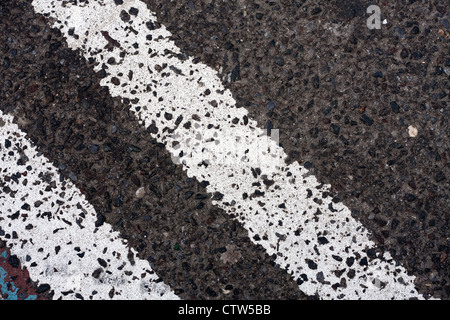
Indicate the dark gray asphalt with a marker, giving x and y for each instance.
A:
(344, 98)
(342, 95)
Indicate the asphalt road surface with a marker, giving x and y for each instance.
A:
(218, 150)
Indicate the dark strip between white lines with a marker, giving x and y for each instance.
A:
(283, 207)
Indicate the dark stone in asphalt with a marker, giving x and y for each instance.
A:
(311, 264)
(14, 261)
(271, 105)
(94, 148)
(43, 288)
(316, 10)
(446, 23)
(235, 74)
(400, 32)
(378, 74)
(415, 30)
(395, 107)
(366, 119)
(279, 61)
(335, 128)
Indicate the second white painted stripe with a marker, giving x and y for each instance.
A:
(284, 208)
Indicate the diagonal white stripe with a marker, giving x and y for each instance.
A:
(49, 225)
(284, 208)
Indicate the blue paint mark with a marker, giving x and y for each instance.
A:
(12, 293)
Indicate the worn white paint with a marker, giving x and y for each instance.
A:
(292, 218)
(49, 225)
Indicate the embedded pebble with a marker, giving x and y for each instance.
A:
(412, 131)
(140, 192)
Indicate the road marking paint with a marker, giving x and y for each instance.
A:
(48, 224)
(184, 105)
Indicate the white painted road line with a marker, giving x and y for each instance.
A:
(284, 208)
(50, 227)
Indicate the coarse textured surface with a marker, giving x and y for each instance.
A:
(286, 210)
(98, 145)
(344, 98)
(366, 111)
(51, 229)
